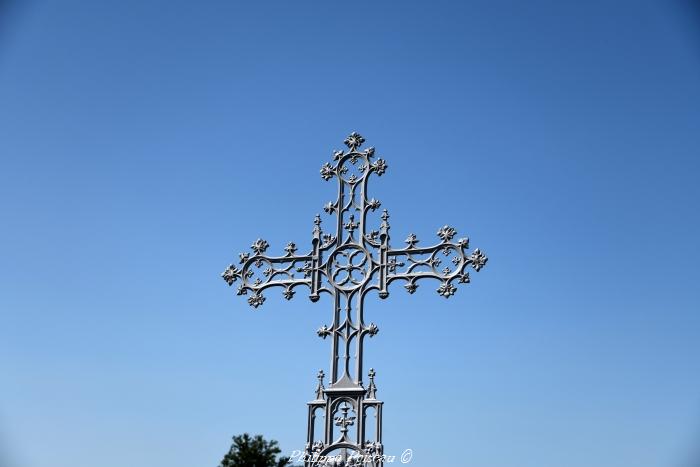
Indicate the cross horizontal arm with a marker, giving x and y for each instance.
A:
(258, 272)
(413, 263)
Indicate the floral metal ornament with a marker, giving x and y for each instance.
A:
(324, 332)
(372, 329)
(291, 248)
(411, 287)
(446, 290)
(327, 172)
(354, 141)
(446, 233)
(256, 300)
(259, 246)
(380, 167)
(351, 225)
(373, 204)
(352, 260)
(230, 274)
(478, 259)
(288, 293)
(412, 240)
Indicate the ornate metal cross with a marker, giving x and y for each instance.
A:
(348, 264)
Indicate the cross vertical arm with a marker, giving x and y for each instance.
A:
(352, 168)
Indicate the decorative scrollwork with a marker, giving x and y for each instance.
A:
(372, 237)
(423, 263)
(394, 264)
(306, 269)
(260, 272)
(327, 240)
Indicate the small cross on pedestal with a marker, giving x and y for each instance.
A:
(344, 421)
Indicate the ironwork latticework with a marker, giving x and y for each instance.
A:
(347, 264)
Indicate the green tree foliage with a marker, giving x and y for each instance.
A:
(247, 451)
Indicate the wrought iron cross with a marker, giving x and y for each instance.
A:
(348, 264)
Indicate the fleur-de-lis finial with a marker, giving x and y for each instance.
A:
(324, 331)
(327, 171)
(372, 329)
(291, 248)
(380, 167)
(351, 225)
(446, 233)
(288, 293)
(259, 246)
(231, 274)
(478, 259)
(446, 290)
(373, 204)
(354, 141)
(256, 300)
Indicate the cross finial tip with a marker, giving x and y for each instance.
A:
(354, 141)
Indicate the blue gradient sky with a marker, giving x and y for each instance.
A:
(143, 144)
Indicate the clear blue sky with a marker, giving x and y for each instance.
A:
(143, 144)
